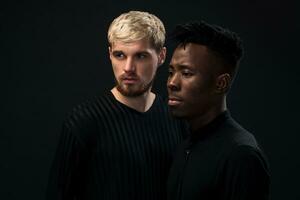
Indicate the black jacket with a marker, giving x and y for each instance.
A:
(221, 161)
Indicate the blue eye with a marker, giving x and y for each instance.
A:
(118, 55)
(141, 56)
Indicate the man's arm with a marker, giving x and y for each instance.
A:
(64, 176)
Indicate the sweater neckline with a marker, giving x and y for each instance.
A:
(209, 130)
(110, 94)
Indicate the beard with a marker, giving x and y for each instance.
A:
(133, 90)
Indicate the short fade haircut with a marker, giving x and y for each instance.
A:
(136, 25)
(223, 43)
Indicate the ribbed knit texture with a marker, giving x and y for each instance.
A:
(109, 151)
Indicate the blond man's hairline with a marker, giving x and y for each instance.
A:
(156, 38)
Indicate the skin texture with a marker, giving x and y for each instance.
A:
(134, 66)
(197, 91)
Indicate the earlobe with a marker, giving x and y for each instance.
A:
(223, 83)
(161, 62)
(109, 51)
(162, 56)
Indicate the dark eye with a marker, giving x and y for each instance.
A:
(171, 71)
(187, 73)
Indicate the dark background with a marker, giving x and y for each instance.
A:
(54, 56)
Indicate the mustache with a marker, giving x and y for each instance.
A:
(129, 76)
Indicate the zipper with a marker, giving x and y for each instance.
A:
(187, 153)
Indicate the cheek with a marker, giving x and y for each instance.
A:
(193, 90)
(153, 70)
(193, 94)
(117, 72)
(116, 66)
(148, 70)
(192, 86)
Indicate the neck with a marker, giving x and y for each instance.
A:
(207, 117)
(140, 103)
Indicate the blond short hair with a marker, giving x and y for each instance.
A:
(136, 25)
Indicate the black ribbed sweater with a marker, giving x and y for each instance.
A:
(108, 151)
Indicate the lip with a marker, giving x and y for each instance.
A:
(130, 80)
(174, 101)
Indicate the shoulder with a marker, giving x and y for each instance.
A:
(87, 111)
(236, 135)
(245, 173)
(244, 158)
(246, 153)
(248, 162)
(86, 118)
(241, 144)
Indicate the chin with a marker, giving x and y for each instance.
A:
(131, 91)
(177, 113)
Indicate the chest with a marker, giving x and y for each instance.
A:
(198, 171)
(136, 138)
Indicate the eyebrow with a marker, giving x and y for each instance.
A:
(139, 52)
(142, 52)
(117, 51)
(180, 66)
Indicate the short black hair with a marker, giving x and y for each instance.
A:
(224, 43)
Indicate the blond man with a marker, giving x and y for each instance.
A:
(119, 145)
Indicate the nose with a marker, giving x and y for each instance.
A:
(173, 83)
(129, 65)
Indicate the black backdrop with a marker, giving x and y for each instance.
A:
(54, 55)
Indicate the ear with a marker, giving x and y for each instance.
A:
(162, 56)
(109, 51)
(223, 83)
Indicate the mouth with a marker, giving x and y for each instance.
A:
(129, 80)
(174, 101)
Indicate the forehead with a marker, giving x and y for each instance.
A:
(194, 55)
(134, 46)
